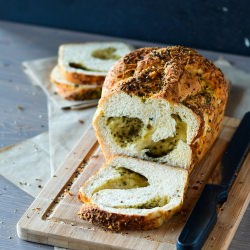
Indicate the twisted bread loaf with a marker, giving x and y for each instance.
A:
(164, 105)
(161, 104)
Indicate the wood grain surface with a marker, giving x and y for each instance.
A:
(52, 218)
(12, 207)
(23, 107)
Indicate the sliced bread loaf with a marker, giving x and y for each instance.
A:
(89, 63)
(72, 91)
(129, 193)
(161, 104)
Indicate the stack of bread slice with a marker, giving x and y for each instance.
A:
(81, 68)
(161, 110)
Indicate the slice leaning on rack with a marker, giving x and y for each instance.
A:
(162, 105)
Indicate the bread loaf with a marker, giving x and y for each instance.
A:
(161, 104)
(129, 193)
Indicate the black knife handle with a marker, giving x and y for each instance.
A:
(202, 218)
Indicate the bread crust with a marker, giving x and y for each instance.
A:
(178, 75)
(82, 78)
(76, 92)
(117, 222)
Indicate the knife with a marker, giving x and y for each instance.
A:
(82, 105)
(204, 215)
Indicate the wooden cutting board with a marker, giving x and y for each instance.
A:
(52, 218)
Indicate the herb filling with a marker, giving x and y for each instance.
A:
(127, 179)
(126, 131)
(105, 54)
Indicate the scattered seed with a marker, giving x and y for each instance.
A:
(81, 121)
(69, 193)
(36, 208)
(21, 108)
(23, 183)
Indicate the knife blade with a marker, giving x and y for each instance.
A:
(83, 105)
(204, 215)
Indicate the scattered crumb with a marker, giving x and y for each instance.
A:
(39, 186)
(94, 156)
(15, 211)
(38, 179)
(27, 216)
(20, 107)
(1, 222)
(55, 220)
(148, 237)
(23, 183)
(10, 237)
(81, 121)
(55, 93)
(213, 238)
(36, 208)
(54, 176)
(183, 212)
(69, 193)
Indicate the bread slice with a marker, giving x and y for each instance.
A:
(71, 91)
(89, 63)
(129, 193)
(161, 104)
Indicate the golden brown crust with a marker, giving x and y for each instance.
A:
(81, 78)
(76, 92)
(178, 75)
(117, 222)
